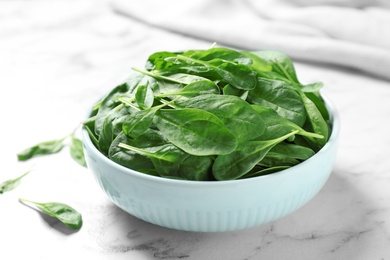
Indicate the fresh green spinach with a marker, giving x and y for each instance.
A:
(64, 213)
(12, 183)
(215, 114)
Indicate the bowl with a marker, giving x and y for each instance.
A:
(214, 206)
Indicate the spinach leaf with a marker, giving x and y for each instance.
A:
(236, 114)
(236, 164)
(281, 97)
(171, 162)
(11, 184)
(134, 160)
(110, 101)
(216, 104)
(264, 171)
(230, 90)
(64, 213)
(157, 61)
(238, 75)
(219, 53)
(107, 135)
(277, 58)
(76, 151)
(193, 89)
(40, 149)
(278, 126)
(316, 120)
(286, 154)
(144, 96)
(194, 131)
(258, 63)
(137, 123)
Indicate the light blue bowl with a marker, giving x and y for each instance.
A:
(214, 206)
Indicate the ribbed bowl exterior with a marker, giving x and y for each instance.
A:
(213, 206)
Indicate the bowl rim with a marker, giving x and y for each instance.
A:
(335, 128)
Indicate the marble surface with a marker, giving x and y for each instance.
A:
(58, 57)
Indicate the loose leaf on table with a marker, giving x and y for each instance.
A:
(12, 183)
(195, 131)
(40, 149)
(64, 213)
(236, 164)
(236, 114)
(76, 151)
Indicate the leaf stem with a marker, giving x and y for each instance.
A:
(26, 201)
(157, 76)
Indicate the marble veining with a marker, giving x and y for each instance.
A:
(58, 57)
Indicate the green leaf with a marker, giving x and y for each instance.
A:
(110, 101)
(238, 75)
(137, 123)
(64, 213)
(195, 131)
(193, 89)
(232, 91)
(107, 133)
(219, 53)
(171, 162)
(236, 114)
(41, 149)
(76, 151)
(281, 97)
(274, 58)
(236, 164)
(258, 63)
(134, 160)
(264, 171)
(157, 61)
(11, 184)
(316, 120)
(144, 96)
(278, 126)
(286, 154)
(312, 87)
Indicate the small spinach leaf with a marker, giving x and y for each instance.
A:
(40, 149)
(11, 184)
(144, 96)
(64, 213)
(76, 151)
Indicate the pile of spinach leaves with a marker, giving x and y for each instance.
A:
(215, 114)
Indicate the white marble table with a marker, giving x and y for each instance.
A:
(58, 57)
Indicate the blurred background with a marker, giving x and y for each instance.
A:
(57, 58)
